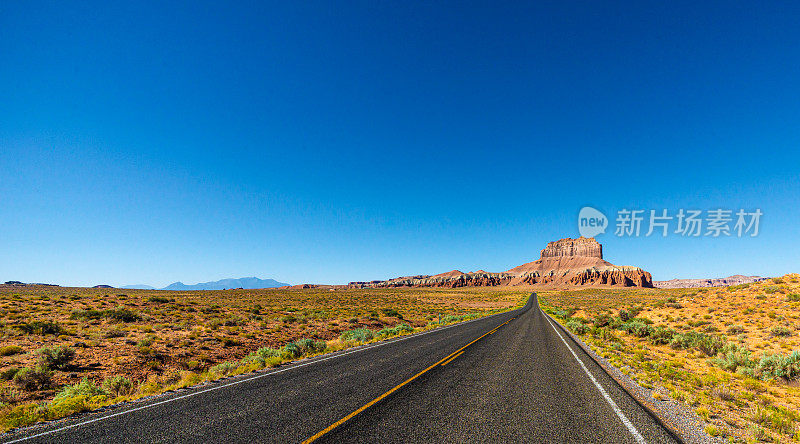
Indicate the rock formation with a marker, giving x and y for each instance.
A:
(736, 279)
(581, 246)
(563, 262)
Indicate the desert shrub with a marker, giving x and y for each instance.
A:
(793, 297)
(10, 350)
(661, 335)
(392, 313)
(229, 342)
(777, 418)
(86, 314)
(449, 319)
(118, 386)
(122, 315)
(262, 357)
(146, 341)
(32, 378)
(777, 366)
(85, 387)
(222, 369)
(394, 331)
(403, 328)
(76, 398)
(267, 352)
(118, 314)
(55, 357)
(637, 328)
(21, 415)
(724, 393)
(732, 357)
(624, 315)
(577, 327)
(114, 333)
(160, 299)
(40, 328)
(773, 289)
(233, 321)
(291, 350)
(736, 330)
(308, 346)
(780, 330)
(8, 374)
(601, 320)
(357, 335)
(564, 313)
(605, 334)
(708, 344)
(683, 340)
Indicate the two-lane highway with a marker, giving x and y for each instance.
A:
(509, 377)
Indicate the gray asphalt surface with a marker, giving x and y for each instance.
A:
(518, 384)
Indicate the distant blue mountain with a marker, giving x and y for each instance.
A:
(138, 287)
(246, 282)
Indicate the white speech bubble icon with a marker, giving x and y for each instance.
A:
(591, 222)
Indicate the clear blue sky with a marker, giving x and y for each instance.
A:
(323, 142)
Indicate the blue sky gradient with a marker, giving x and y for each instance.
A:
(322, 142)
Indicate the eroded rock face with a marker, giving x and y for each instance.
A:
(565, 262)
(582, 247)
(615, 276)
(447, 280)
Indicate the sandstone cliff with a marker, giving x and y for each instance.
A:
(565, 262)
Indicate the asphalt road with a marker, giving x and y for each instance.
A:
(510, 377)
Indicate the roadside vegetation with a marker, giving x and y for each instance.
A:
(732, 354)
(69, 350)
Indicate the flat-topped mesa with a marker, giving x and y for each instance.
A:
(583, 247)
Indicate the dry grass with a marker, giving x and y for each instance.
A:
(747, 391)
(131, 343)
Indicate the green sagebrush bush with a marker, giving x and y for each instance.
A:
(637, 328)
(734, 357)
(577, 327)
(30, 379)
(708, 344)
(778, 366)
(357, 335)
(397, 330)
(55, 357)
(118, 386)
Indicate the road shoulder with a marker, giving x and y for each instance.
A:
(680, 421)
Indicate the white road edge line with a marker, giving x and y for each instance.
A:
(636, 435)
(378, 344)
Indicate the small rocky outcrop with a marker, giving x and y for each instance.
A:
(736, 279)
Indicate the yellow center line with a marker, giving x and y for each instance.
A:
(447, 358)
(448, 361)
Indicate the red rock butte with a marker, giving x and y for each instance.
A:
(565, 262)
